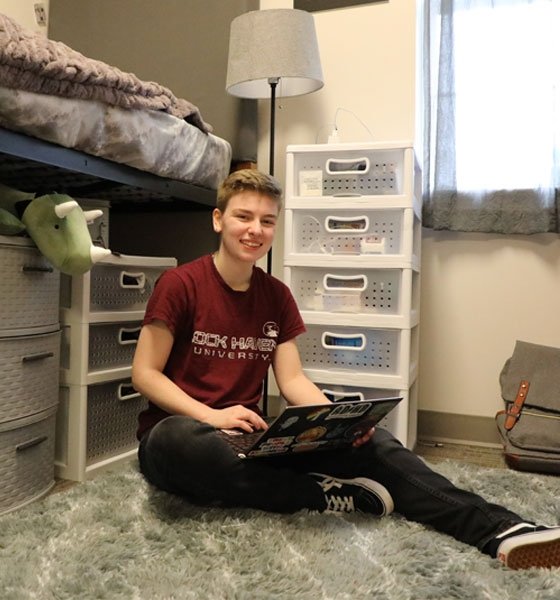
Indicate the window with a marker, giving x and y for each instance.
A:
(507, 81)
(492, 83)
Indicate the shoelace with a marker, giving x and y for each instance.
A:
(340, 503)
(329, 483)
(334, 502)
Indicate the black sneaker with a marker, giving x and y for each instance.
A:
(524, 546)
(359, 494)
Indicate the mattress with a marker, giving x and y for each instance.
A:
(149, 140)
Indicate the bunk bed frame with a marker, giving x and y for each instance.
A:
(34, 165)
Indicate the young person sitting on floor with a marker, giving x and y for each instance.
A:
(211, 330)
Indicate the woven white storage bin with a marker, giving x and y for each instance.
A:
(29, 293)
(389, 297)
(96, 427)
(120, 284)
(29, 368)
(26, 459)
(94, 352)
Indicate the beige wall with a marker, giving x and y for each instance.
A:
(181, 44)
(479, 292)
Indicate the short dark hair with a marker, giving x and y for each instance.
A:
(248, 179)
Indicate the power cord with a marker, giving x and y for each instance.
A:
(333, 136)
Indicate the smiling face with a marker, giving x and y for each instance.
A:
(247, 226)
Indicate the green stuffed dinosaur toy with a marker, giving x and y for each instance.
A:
(57, 225)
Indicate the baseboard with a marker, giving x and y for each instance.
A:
(458, 429)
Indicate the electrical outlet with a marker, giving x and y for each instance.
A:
(40, 13)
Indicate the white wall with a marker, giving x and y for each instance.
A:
(23, 12)
(479, 292)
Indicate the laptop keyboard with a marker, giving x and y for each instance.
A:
(241, 443)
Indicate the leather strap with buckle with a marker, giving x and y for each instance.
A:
(514, 410)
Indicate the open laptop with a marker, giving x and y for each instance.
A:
(311, 427)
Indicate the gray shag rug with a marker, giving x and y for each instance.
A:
(117, 538)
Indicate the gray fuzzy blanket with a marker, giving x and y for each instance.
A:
(31, 62)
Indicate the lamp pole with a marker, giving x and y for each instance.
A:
(273, 82)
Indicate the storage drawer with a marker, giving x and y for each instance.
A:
(29, 367)
(352, 349)
(29, 293)
(359, 291)
(26, 459)
(362, 171)
(112, 419)
(339, 232)
(119, 283)
(96, 423)
(96, 351)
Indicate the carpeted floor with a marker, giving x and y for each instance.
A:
(115, 538)
(483, 456)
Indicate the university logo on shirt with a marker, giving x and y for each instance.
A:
(215, 345)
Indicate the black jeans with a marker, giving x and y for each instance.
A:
(186, 457)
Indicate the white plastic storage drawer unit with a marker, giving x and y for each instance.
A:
(93, 352)
(96, 427)
(102, 314)
(29, 290)
(121, 283)
(352, 245)
(387, 297)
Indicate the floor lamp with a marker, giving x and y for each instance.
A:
(273, 53)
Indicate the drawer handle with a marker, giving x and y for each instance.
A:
(336, 396)
(30, 443)
(33, 269)
(347, 224)
(127, 392)
(338, 341)
(348, 166)
(132, 281)
(37, 356)
(353, 283)
(129, 335)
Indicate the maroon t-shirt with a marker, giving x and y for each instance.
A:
(223, 339)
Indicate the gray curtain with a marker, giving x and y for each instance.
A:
(494, 208)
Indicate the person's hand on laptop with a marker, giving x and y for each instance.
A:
(363, 439)
(237, 417)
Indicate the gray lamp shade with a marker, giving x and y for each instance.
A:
(273, 44)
